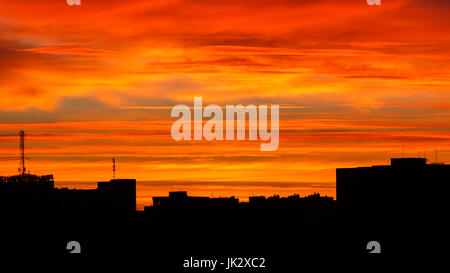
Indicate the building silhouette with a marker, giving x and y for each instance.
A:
(27, 192)
(293, 201)
(180, 199)
(403, 206)
(407, 183)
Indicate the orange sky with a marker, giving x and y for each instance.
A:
(92, 82)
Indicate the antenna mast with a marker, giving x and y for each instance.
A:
(114, 168)
(22, 153)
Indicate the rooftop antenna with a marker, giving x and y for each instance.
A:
(114, 168)
(403, 149)
(22, 168)
(435, 151)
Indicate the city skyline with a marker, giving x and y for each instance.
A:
(94, 82)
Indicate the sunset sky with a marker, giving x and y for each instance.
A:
(355, 83)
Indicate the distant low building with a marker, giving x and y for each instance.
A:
(292, 201)
(180, 199)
